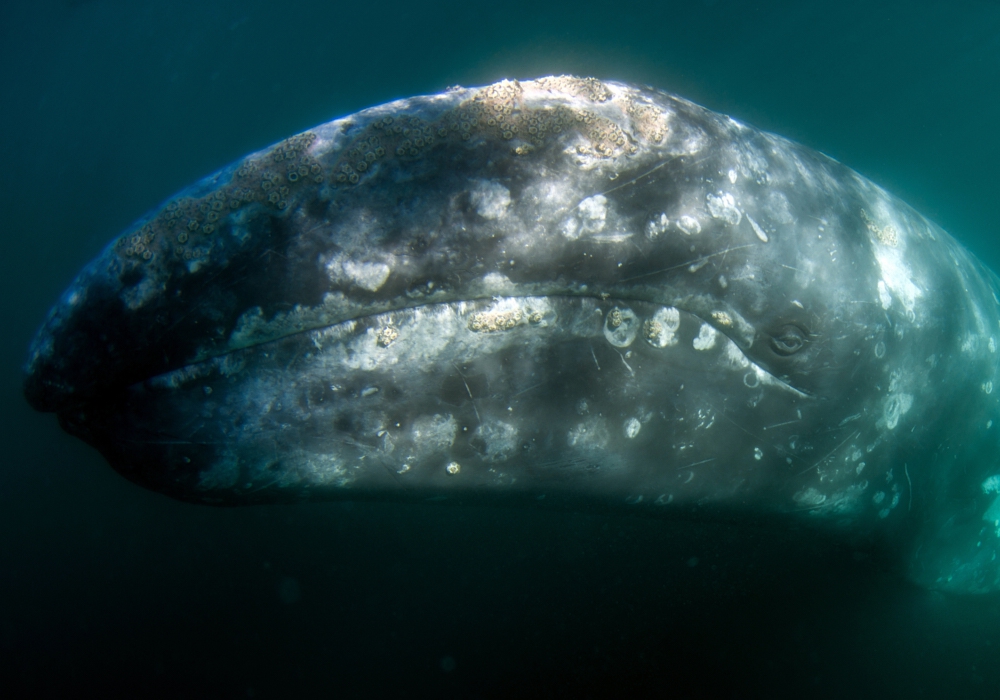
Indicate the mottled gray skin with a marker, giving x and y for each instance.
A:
(639, 304)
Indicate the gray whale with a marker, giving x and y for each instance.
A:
(560, 291)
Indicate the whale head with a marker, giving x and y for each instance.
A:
(567, 291)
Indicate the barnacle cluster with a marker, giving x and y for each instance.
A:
(499, 113)
(185, 225)
(393, 136)
(650, 122)
(385, 336)
(652, 330)
(138, 244)
(615, 317)
(885, 234)
(589, 88)
(495, 320)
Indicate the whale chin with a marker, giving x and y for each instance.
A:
(570, 398)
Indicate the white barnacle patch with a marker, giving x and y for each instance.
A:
(689, 225)
(621, 326)
(632, 427)
(706, 338)
(453, 468)
(732, 175)
(592, 213)
(987, 387)
(758, 454)
(490, 199)
(723, 206)
(660, 330)
(757, 229)
(656, 226)
(880, 349)
(895, 406)
(499, 440)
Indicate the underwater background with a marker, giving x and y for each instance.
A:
(110, 106)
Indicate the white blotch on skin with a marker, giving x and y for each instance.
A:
(895, 406)
(706, 338)
(757, 229)
(593, 212)
(500, 439)
(490, 199)
(621, 325)
(364, 274)
(723, 206)
(656, 226)
(669, 320)
(632, 427)
(809, 497)
(883, 295)
(689, 225)
(570, 228)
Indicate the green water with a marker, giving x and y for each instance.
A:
(109, 106)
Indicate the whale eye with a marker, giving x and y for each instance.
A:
(788, 341)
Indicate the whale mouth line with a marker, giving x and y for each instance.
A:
(656, 324)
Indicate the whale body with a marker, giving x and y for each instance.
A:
(564, 291)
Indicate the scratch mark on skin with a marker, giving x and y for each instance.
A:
(630, 370)
(471, 398)
(789, 267)
(639, 177)
(594, 355)
(778, 425)
(824, 504)
(775, 447)
(827, 456)
(695, 464)
(525, 391)
(702, 259)
(909, 483)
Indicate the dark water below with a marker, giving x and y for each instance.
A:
(108, 106)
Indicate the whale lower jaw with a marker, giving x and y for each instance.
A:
(599, 400)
